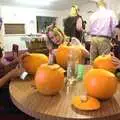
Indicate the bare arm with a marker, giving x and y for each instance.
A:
(5, 79)
(10, 75)
(79, 24)
(75, 41)
(84, 50)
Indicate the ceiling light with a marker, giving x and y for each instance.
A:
(35, 2)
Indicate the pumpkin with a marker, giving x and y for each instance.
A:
(32, 61)
(105, 62)
(63, 52)
(100, 83)
(49, 79)
(89, 103)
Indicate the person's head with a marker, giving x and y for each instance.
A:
(101, 3)
(1, 23)
(74, 11)
(118, 25)
(1, 52)
(55, 35)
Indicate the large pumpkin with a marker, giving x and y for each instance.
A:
(49, 79)
(100, 83)
(32, 61)
(105, 62)
(63, 51)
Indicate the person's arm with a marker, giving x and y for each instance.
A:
(11, 66)
(79, 24)
(84, 51)
(116, 61)
(75, 41)
(113, 21)
(5, 79)
(12, 74)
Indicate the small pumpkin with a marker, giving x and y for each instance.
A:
(105, 62)
(49, 79)
(63, 51)
(89, 103)
(32, 61)
(100, 83)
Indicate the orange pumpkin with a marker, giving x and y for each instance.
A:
(63, 51)
(105, 62)
(49, 79)
(100, 83)
(32, 61)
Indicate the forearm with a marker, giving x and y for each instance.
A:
(5, 79)
(84, 51)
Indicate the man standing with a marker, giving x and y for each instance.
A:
(101, 27)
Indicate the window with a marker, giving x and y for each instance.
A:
(43, 22)
(14, 28)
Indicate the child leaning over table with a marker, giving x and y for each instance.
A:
(56, 37)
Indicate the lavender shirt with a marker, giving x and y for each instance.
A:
(102, 22)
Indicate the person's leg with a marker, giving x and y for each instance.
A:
(93, 49)
(104, 46)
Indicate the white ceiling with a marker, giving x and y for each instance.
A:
(57, 5)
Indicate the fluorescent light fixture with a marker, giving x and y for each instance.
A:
(35, 2)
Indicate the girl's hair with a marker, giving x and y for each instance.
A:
(1, 52)
(56, 31)
(118, 25)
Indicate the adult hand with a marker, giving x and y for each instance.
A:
(116, 61)
(16, 72)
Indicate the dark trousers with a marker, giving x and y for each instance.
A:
(8, 110)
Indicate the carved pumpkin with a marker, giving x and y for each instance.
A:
(32, 61)
(63, 51)
(104, 62)
(49, 79)
(100, 83)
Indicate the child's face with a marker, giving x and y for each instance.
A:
(55, 38)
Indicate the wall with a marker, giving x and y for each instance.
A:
(28, 17)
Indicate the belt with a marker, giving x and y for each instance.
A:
(101, 36)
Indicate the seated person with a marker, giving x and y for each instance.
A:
(10, 74)
(5, 68)
(116, 41)
(56, 37)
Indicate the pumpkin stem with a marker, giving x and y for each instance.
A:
(83, 98)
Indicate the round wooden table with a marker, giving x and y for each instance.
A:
(26, 97)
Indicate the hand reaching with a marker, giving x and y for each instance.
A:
(16, 72)
(116, 61)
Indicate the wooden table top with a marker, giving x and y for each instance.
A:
(26, 97)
